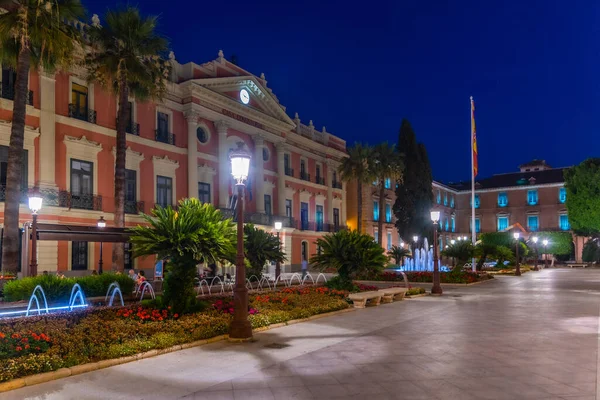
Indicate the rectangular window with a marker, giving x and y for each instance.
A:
(562, 195)
(477, 201)
(304, 216)
(302, 167)
(204, 192)
(446, 225)
(128, 257)
(336, 218)
(164, 191)
(376, 235)
(533, 222)
(4, 168)
(502, 223)
(502, 199)
(445, 198)
(82, 184)
(130, 185)
(388, 213)
(477, 225)
(79, 99)
(129, 126)
(453, 224)
(563, 222)
(288, 208)
(318, 173)
(162, 127)
(286, 161)
(268, 209)
(452, 201)
(388, 183)
(389, 240)
(439, 197)
(79, 256)
(532, 197)
(319, 218)
(9, 77)
(375, 211)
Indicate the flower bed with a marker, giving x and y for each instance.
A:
(414, 291)
(65, 340)
(445, 277)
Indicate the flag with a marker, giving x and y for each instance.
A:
(474, 138)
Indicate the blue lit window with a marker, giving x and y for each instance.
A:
(563, 222)
(388, 183)
(533, 222)
(502, 199)
(532, 197)
(445, 198)
(389, 240)
(376, 236)
(477, 201)
(453, 225)
(477, 225)
(562, 195)
(375, 211)
(439, 197)
(502, 223)
(452, 201)
(446, 225)
(388, 213)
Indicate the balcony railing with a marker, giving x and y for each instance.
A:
(306, 225)
(134, 207)
(8, 92)
(132, 128)
(80, 201)
(289, 171)
(304, 176)
(84, 115)
(24, 199)
(334, 228)
(336, 185)
(164, 137)
(320, 180)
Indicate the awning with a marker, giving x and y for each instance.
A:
(81, 233)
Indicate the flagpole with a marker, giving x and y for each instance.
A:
(473, 233)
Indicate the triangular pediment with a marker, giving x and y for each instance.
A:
(260, 99)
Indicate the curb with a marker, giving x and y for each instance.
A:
(89, 367)
(374, 283)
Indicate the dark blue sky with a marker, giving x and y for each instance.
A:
(532, 67)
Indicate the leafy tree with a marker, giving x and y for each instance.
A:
(488, 250)
(414, 197)
(398, 254)
(583, 197)
(350, 253)
(33, 35)
(591, 251)
(125, 59)
(461, 251)
(194, 233)
(385, 163)
(259, 247)
(559, 243)
(356, 167)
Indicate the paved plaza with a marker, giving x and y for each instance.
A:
(534, 337)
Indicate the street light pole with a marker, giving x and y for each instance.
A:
(101, 224)
(452, 242)
(415, 240)
(545, 243)
(278, 226)
(535, 240)
(518, 265)
(240, 326)
(35, 205)
(436, 288)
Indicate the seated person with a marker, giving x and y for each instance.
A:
(133, 275)
(141, 278)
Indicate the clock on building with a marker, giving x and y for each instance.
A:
(244, 96)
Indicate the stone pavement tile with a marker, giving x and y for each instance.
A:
(292, 393)
(253, 394)
(407, 390)
(560, 389)
(353, 377)
(285, 381)
(328, 391)
(219, 387)
(318, 380)
(222, 395)
(443, 390)
(248, 383)
(578, 398)
(278, 370)
(374, 389)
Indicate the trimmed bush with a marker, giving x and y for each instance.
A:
(59, 289)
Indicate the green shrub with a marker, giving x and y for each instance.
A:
(415, 291)
(591, 251)
(338, 283)
(59, 289)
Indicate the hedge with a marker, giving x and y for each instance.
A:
(59, 289)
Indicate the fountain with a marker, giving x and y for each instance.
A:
(146, 286)
(76, 293)
(321, 275)
(308, 275)
(38, 295)
(203, 282)
(264, 280)
(113, 289)
(220, 282)
(37, 302)
(422, 260)
(297, 276)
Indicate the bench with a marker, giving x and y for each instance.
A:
(393, 294)
(576, 265)
(360, 299)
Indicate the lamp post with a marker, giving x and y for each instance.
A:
(101, 224)
(535, 240)
(452, 242)
(518, 266)
(35, 205)
(415, 240)
(545, 243)
(278, 226)
(436, 288)
(240, 326)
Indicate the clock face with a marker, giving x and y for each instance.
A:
(244, 96)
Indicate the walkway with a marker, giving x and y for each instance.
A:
(534, 337)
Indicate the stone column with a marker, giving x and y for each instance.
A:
(47, 140)
(329, 184)
(224, 175)
(259, 174)
(281, 179)
(192, 159)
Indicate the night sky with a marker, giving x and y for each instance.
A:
(532, 67)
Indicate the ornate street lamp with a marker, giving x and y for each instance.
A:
(35, 205)
(240, 326)
(436, 288)
(545, 243)
(101, 224)
(278, 226)
(535, 240)
(517, 245)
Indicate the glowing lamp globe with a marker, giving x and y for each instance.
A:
(278, 225)
(452, 242)
(101, 222)
(435, 216)
(415, 238)
(535, 239)
(516, 235)
(240, 164)
(545, 242)
(35, 202)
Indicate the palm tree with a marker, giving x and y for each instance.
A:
(398, 254)
(356, 167)
(195, 233)
(259, 247)
(125, 59)
(33, 35)
(384, 164)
